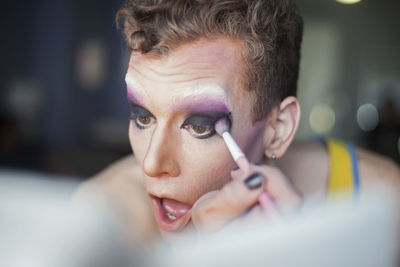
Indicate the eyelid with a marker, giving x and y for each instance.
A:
(211, 116)
(199, 120)
(139, 110)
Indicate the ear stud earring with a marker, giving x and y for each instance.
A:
(273, 156)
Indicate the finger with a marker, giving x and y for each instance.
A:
(236, 173)
(279, 188)
(267, 204)
(210, 213)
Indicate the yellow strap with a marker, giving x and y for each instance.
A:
(340, 174)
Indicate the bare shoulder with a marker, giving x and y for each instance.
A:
(375, 168)
(306, 163)
(122, 172)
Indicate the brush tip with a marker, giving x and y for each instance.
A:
(223, 125)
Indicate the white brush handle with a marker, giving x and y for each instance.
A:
(232, 146)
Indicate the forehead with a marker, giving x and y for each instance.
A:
(222, 53)
(206, 67)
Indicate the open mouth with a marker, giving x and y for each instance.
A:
(171, 215)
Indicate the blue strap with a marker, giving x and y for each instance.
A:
(356, 176)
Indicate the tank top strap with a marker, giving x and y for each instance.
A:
(343, 178)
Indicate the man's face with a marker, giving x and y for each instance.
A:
(175, 101)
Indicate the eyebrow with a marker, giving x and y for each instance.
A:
(201, 104)
(202, 99)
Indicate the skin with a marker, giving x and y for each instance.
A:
(206, 76)
(170, 162)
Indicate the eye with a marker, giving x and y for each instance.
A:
(141, 117)
(199, 126)
(144, 121)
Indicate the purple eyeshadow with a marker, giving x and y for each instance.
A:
(202, 105)
(132, 96)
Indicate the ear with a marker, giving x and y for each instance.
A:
(282, 128)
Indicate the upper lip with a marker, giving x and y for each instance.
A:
(161, 196)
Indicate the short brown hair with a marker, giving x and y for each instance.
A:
(270, 30)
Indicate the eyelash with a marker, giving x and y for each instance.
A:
(207, 127)
(193, 124)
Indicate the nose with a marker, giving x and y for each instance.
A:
(160, 158)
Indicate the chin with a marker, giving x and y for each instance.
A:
(184, 235)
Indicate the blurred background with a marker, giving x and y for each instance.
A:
(63, 109)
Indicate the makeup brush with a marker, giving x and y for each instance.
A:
(223, 127)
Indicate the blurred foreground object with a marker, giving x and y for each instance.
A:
(39, 227)
(340, 234)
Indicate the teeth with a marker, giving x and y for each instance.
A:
(171, 217)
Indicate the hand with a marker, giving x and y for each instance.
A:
(238, 199)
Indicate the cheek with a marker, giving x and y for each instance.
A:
(253, 144)
(138, 148)
(249, 136)
(205, 165)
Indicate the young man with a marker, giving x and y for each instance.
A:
(193, 62)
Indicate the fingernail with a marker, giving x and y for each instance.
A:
(255, 181)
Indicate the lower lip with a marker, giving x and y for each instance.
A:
(163, 221)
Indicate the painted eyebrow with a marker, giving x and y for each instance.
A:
(202, 105)
(133, 97)
(198, 101)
